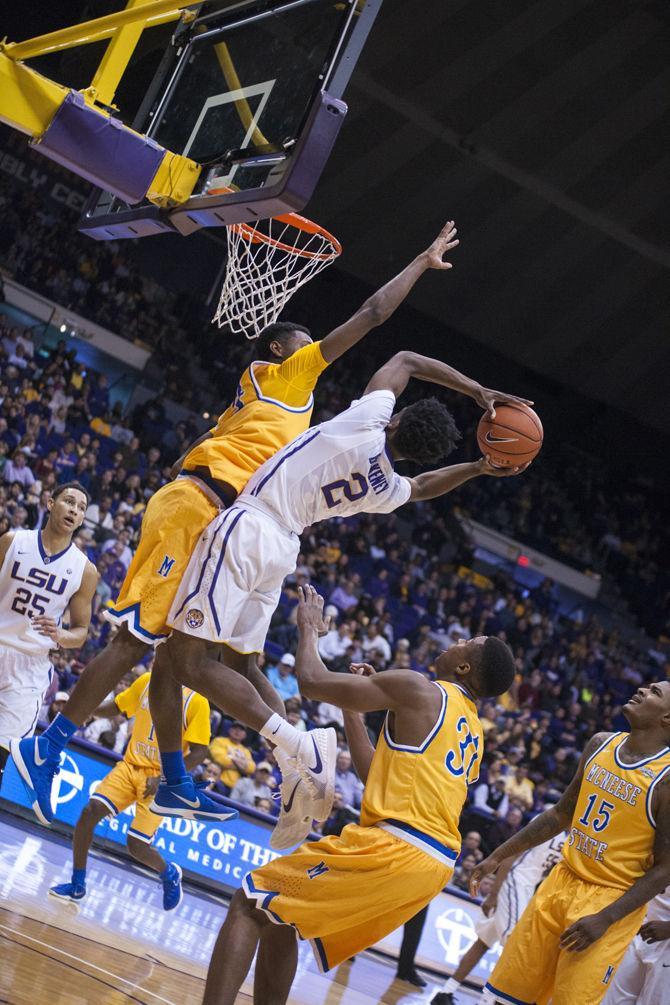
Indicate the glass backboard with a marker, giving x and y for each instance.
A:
(252, 91)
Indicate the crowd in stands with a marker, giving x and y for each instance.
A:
(574, 508)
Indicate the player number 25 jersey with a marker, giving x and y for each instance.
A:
(611, 838)
(418, 792)
(33, 583)
(337, 468)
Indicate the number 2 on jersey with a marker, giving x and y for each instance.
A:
(355, 488)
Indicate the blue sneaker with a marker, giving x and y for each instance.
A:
(190, 800)
(37, 770)
(172, 890)
(68, 891)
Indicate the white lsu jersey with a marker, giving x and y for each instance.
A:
(34, 583)
(337, 468)
(536, 863)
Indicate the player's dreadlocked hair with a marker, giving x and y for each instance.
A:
(426, 432)
(280, 331)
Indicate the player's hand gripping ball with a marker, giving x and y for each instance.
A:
(513, 438)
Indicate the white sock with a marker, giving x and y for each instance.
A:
(450, 986)
(281, 732)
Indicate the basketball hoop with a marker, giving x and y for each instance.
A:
(267, 262)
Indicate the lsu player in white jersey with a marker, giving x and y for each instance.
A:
(42, 574)
(232, 584)
(644, 974)
(514, 885)
(345, 893)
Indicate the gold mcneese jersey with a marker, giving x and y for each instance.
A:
(611, 838)
(417, 793)
(273, 404)
(142, 750)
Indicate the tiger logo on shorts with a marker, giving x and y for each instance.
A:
(194, 618)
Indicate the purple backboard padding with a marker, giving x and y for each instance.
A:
(101, 149)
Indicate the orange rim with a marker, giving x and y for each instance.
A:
(291, 219)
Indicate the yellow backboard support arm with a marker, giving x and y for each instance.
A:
(28, 101)
(117, 56)
(152, 13)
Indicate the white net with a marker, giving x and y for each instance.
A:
(267, 262)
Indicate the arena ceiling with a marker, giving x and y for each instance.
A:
(541, 127)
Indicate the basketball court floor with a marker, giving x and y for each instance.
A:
(119, 946)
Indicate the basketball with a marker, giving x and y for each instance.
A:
(514, 437)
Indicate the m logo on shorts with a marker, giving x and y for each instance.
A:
(317, 870)
(166, 566)
(194, 618)
(608, 975)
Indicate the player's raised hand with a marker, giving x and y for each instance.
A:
(444, 242)
(310, 611)
(362, 669)
(486, 399)
(485, 868)
(47, 626)
(487, 467)
(583, 933)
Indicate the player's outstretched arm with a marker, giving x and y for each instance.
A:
(584, 932)
(381, 305)
(392, 689)
(545, 826)
(358, 738)
(81, 606)
(396, 374)
(432, 484)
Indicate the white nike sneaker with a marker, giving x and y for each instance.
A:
(316, 764)
(295, 813)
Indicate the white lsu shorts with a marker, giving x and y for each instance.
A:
(643, 976)
(232, 585)
(513, 899)
(24, 680)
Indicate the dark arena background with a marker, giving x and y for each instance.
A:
(540, 127)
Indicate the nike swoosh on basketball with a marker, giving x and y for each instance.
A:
(318, 767)
(490, 438)
(287, 806)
